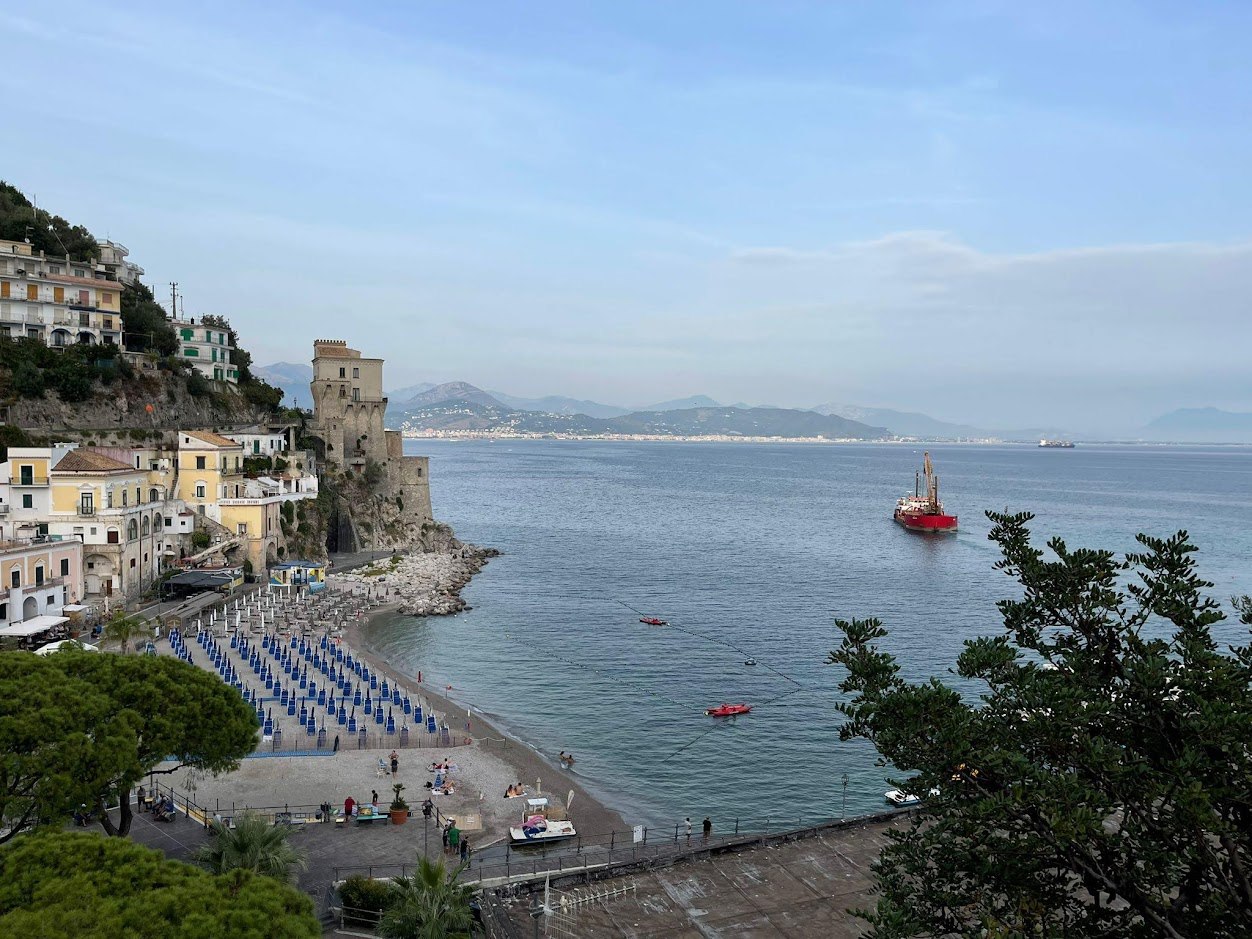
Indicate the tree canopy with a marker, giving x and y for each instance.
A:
(145, 327)
(19, 220)
(87, 728)
(1099, 783)
(64, 884)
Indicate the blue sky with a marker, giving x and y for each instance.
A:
(999, 213)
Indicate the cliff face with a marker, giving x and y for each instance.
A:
(385, 507)
(118, 412)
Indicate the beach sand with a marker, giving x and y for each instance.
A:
(485, 769)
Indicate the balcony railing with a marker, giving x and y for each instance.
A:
(29, 481)
(86, 510)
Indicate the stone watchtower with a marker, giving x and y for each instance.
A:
(349, 411)
(349, 406)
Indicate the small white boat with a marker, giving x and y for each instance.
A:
(902, 798)
(537, 828)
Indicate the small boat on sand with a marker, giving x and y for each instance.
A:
(728, 710)
(652, 621)
(904, 799)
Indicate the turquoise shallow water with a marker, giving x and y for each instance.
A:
(754, 550)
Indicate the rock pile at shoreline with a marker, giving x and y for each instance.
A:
(426, 583)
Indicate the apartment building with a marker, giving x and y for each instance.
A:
(38, 578)
(208, 348)
(59, 301)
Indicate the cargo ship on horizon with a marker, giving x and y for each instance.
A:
(924, 513)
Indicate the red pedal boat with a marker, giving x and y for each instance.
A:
(728, 710)
(653, 621)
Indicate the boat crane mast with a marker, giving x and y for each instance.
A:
(932, 481)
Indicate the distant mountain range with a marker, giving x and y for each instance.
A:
(458, 406)
(904, 423)
(461, 402)
(1202, 425)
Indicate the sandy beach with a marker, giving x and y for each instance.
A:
(494, 760)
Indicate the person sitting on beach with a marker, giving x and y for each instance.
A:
(561, 756)
(510, 792)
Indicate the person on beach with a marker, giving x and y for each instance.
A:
(446, 828)
(454, 838)
(349, 806)
(708, 827)
(374, 798)
(395, 763)
(465, 849)
(687, 823)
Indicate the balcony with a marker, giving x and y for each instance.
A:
(24, 480)
(86, 511)
(4, 510)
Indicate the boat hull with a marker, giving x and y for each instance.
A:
(556, 831)
(927, 524)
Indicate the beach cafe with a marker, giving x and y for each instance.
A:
(311, 574)
(36, 631)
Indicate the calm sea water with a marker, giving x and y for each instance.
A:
(753, 550)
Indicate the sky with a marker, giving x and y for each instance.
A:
(998, 213)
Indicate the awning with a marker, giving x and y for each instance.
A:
(75, 608)
(61, 643)
(33, 626)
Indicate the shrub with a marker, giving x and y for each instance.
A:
(200, 539)
(362, 895)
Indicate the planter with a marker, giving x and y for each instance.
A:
(399, 816)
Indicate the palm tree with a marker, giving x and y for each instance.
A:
(122, 629)
(252, 845)
(429, 905)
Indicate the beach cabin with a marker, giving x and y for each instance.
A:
(296, 574)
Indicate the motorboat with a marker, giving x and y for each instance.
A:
(749, 661)
(652, 621)
(537, 828)
(728, 710)
(906, 799)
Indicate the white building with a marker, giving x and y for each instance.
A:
(208, 348)
(59, 301)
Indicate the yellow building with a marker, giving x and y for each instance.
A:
(210, 468)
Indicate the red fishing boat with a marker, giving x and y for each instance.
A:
(728, 710)
(653, 621)
(924, 513)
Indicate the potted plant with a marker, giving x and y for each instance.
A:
(399, 808)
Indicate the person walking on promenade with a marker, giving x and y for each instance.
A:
(348, 805)
(139, 799)
(687, 825)
(395, 763)
(465, 849)
(708, 828)
(446, 828)
(454, 839)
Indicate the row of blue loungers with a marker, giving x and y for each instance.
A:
(304, 678)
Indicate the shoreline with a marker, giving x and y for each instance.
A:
(591, 815)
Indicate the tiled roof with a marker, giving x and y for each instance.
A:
(207, 436)
(89, 461)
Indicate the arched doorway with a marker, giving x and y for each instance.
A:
(30, 608)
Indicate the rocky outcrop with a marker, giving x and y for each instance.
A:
(428, 582)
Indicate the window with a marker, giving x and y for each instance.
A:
(152, 495)
(113, 536)
(27, 475)
(28, 501)
(356, 373)
(190, 351)
(32, 292)
(343, 373)
(38, 575)
(138, 496)
(343, 392)
(199, 462)
(87, 503)
(132, 564)
(132, 530)
(169, 522)
(187, 335)
(65, 567)
(15, 577)
(199, 490)
(106, 296)
(125, 496)
(146, 528)
(356, 394)
(58, 294)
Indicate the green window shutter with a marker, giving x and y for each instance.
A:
(188, 335)
(191, 351)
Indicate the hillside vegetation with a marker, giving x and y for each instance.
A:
(75, 375)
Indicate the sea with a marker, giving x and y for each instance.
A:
(751, 551)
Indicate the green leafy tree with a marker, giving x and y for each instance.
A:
(252, 845)
(124, 629)
(159, 709)
(145, 326)
(46, 740)
(429, 905)
(1099, 786)
(19, 220)
(64, 885)
(72, 382)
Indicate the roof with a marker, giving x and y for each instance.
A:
(36, 624)
(201, 578)
(212, 439)
(89, 461)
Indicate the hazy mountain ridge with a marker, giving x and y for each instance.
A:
(904, 423)
(292, 378)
